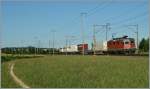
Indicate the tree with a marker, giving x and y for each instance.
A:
(92, 44)
(141, 45)
(144, 45)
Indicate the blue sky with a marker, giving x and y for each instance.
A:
(24, 23)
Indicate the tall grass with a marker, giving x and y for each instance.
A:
(84, 71)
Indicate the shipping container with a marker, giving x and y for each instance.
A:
(100, 46)
(71, 48)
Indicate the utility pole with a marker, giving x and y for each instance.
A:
(68, 41)
(22, 47)
(94, 33)
(49, 46)
(137, 35)
(37, 48)
(107, 28)
(82, 30)
(35, 38)
(94, 39)
(49, 42)
(39, 43)
(53, 31)
(66, 45)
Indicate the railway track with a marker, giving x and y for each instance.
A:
(125, 54)
(112, 54)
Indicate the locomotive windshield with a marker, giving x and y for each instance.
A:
(132, 41)
(126, 42)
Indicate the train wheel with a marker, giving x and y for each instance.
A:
(126, 52)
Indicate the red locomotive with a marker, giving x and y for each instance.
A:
(121, 45)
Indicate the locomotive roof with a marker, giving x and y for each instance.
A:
(121, 39)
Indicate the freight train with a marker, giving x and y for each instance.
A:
(122, 45)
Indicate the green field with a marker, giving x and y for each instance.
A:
(79, 71)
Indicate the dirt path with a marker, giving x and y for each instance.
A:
(16, 79)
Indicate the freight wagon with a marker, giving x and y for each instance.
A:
(100, 47)
(83, 48)
(72, 49)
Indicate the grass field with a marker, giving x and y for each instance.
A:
(80, 71)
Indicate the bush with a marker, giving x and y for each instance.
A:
(6, 58)
(10, 58)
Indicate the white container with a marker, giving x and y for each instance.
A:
(101, 46)
(71, 48)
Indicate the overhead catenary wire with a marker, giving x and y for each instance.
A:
(128, 11)
(99, 7)
(83, 24)
(91, 11)
(125, 14)
(131, 18)
(105, 5)
(127, 18)
(122, 25)
(128, 21)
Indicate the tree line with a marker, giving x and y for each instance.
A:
(144, 45)
(28, 50)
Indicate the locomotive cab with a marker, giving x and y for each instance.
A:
(127, 44)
